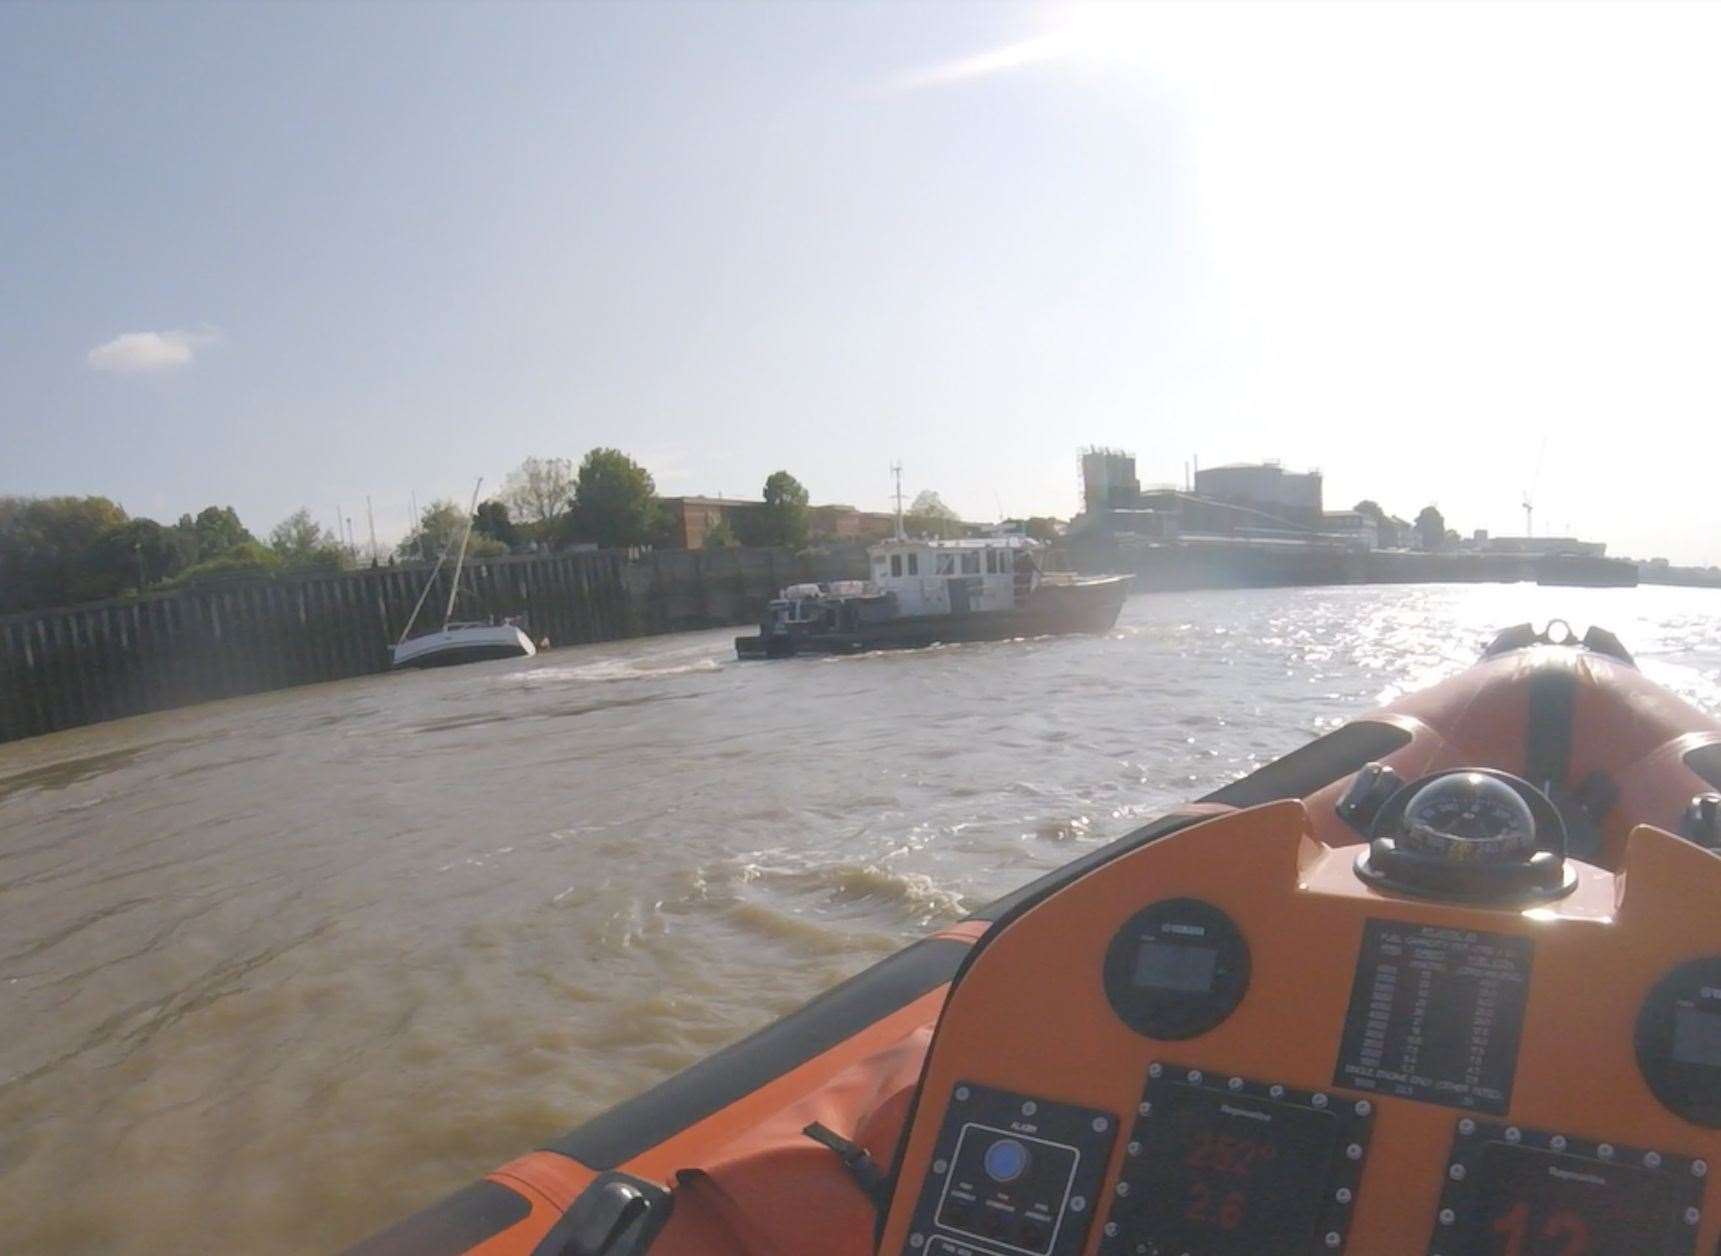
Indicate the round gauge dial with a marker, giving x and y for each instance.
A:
(1469, 817)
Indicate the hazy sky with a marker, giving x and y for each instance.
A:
(289, 255)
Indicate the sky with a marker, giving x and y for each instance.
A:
(293, 255)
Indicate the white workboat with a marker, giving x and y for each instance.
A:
(457, 642)
(927, 591)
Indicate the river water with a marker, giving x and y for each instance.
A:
(277, 970)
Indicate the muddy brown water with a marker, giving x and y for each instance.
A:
(275, 971)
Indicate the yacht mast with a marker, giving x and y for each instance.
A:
(419, 605)
(454, 584)
(896, 470)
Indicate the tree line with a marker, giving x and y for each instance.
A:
(611, 501)
(58, 551)
(608, 501)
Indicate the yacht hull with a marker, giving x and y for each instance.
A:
(453, 646)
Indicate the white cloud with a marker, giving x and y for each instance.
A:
(138, 352)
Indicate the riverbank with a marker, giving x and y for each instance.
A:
(1222, 563)
(83, 665)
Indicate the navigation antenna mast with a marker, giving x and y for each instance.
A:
(896, 470)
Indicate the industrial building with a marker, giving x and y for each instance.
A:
(1538, 546)
(1244, 500)
(693, 518)
(1108, 481)
(1267, 487)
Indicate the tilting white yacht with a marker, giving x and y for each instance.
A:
(457, 641)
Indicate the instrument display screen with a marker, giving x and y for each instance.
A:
(1534, 1201)
(1176, 968)
(1222, 1166)
(1169, 966)
(1518, 1192)
(1697, 1036)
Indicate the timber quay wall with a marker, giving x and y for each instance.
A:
(80, 665)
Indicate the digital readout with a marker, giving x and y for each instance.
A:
(1535, 1201)
(1696, 1037)
(1168, 966)
(1228, 1175)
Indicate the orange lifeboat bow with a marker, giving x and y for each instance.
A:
(1329, 1008)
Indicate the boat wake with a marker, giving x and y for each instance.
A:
(606, 670)
(851, 888)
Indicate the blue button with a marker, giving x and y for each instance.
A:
(1006, 1160)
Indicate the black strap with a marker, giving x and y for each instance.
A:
(1552, 694)
(867, 1175)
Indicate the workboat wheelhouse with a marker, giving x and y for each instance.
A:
(922, 591)
(994, 573)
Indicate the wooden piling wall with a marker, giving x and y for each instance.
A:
(63, 668)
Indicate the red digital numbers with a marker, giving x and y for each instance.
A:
(1227, 1154)
(1562, 1233)
(1206, 1206)
(1224, 1156)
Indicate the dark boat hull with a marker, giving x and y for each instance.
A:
(1055, 609)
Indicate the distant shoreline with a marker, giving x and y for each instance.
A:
(82, 665)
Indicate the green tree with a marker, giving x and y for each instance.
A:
(1042, 528)
(134, 556)
(538, 492)
(665, 531)
(929, 516)
(48, 551)
(783, 521)
(1431, 528)
(1372, 510)
(720, 535)
(615, 500)
(300, 541)
(440, 528)
(247, 558)
(493, 521)
(215, 531)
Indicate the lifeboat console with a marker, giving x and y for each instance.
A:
(1447, 981)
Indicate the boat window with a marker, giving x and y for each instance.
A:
(947, 564)
(970, 563)
(914, 564)
(896, 564)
